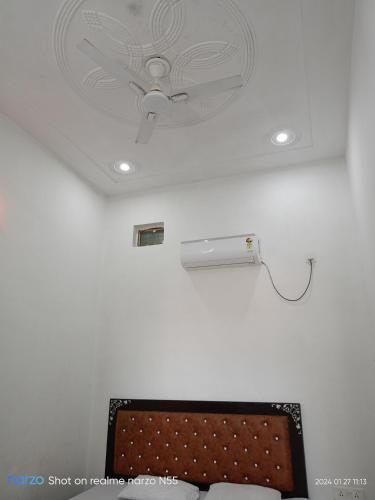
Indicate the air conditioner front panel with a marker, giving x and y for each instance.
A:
(232, 250)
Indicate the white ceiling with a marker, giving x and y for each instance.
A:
(294, 57)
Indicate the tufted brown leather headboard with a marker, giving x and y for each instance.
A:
(208, 442)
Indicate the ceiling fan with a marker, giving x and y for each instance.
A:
(154, 101)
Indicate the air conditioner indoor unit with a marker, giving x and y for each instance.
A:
(226, 251)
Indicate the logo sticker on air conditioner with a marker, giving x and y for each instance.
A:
(249, 244)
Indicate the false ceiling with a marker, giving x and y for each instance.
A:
(293, 56)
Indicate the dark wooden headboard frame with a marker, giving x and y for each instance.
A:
(290, 410)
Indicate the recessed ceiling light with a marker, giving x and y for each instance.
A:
(283, 137)
(123, 167)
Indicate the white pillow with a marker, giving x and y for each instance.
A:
(223, 491)
(153, 488)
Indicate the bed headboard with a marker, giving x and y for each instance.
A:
(205, 442)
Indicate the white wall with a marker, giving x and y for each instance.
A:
(50, 239)
(167, 333)
(224, 334)
(361, 144)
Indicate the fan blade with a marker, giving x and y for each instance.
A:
(137, 89)
(146, 128)
(180, 111)
(211, 88)
(178, 98)
(121, 72)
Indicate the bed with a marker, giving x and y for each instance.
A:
(205, 442)
(109, 493)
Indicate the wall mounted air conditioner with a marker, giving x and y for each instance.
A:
(214, 252)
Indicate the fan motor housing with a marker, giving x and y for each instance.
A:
(155, 102)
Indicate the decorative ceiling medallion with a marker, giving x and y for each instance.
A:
(202, 41)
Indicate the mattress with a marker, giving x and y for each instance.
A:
(109, 493)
